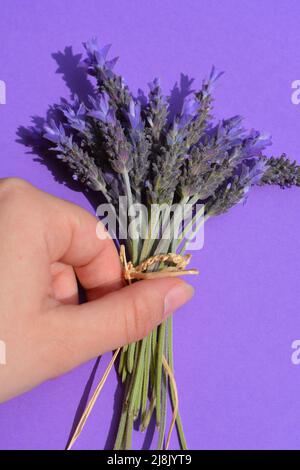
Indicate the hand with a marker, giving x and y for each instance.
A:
(45, 244)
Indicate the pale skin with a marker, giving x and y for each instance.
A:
(45, 244)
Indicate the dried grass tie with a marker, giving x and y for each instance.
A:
(138, 272)
(131, 272)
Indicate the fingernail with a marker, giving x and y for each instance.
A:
(177, 296)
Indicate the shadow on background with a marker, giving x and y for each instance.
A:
(73, 74)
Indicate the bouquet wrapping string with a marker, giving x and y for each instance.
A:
(138, 147)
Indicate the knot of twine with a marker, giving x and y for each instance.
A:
(131, 272)
(138, 272)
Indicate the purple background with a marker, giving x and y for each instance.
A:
(238, 387)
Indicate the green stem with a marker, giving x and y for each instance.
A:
(137, 379)
(122, 423)
(154, 345)
(138, 400)
(153, 358)
(121, 429)
(122, 361)
(146, 376)
(130, 357)
(153, 229)
(134, 241)
(128, 432)
(164, 392)
(146, 420)
(188, 228)
(168, 233)
(124, 374)
(179, 426)
(159, 367)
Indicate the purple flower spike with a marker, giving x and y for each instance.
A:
(190, 109)
(134, 115)
(214, 75)
(75, 115)
(154, 85)
(97, 57)
(255, 143)
(55, 133)
(208, 85)
(101, 109)
(97, 53)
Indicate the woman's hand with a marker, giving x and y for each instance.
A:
(45, 244)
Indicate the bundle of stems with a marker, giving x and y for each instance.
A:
(142, 368)
(141, 147)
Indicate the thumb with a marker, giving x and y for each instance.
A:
(119, 318)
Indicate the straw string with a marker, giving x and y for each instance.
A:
(131, 272)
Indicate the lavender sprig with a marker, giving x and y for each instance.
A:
(98, 66)
(156, 112)
(235, 190)
(83, 167)
(281, 171)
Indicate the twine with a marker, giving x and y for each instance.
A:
(176, 401)
(131, 272)
(92, 402)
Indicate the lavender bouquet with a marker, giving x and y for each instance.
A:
(134, 146)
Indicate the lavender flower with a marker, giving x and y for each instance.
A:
(156, 111)
(281, 171)
(101, 109)
(134, 115)
(189, 111)
(118, 148)
(55, 133)
(75, 114)
(97, 58)
(255, 144)
(235, 190)
(200, 123)
(100, 67)
(83, 167)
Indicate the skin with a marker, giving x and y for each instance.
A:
(45, 244)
